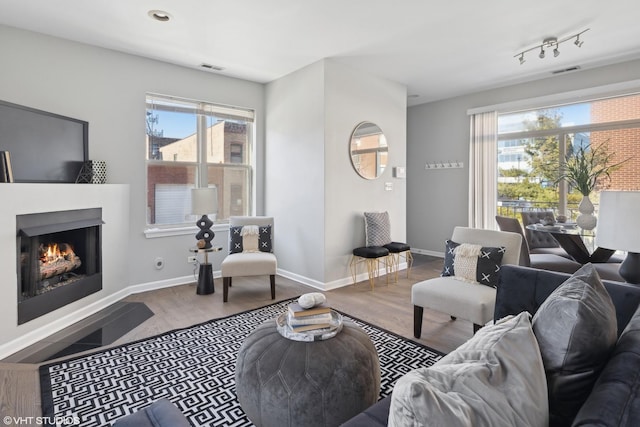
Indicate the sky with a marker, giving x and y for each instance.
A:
(175, 125)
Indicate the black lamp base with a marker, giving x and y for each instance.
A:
(630, 268)
(205, 280)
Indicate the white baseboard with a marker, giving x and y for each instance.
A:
(302, 279)
(335, 284)
(161, 284)
(316, 283)
(428, 252)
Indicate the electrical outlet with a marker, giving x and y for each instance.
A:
(192, 259)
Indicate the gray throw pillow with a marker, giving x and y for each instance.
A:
(377, 228)
(576, 329)
(494, 379)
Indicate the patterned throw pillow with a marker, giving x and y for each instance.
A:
(235, 240)
(236, 244)
(487, 264)
(449, 255)
(265, 244)
(377, 228)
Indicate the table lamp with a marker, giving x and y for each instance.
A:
(204, 201)
(619, 229)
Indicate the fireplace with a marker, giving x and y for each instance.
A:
(59, 259)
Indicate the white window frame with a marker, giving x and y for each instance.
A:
(479, 202)
(201, 180)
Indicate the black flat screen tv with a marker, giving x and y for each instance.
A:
(44, 147)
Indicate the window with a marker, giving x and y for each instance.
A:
(236, 152)
(194, 144)
(533, 144)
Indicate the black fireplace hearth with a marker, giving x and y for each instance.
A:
(59, 259)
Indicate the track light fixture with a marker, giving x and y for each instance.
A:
(551, 42)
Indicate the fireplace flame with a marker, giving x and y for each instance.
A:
(54, 252)
(56, 259)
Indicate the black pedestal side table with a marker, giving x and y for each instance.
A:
(205, 274)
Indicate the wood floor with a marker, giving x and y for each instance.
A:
(388, 307)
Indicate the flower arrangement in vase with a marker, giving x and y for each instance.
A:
(585, 169)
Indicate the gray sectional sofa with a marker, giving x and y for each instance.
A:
(614, 399)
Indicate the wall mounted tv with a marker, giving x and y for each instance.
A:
(44, 147)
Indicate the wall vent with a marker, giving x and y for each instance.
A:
(211, 67)
(566, 70)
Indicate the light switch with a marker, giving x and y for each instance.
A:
(388, 186)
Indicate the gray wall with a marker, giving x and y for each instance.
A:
(311, 187)
(107, 89)
(295, 171)
(437, 200)
(351, 98)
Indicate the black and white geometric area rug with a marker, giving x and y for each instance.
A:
(193, 367)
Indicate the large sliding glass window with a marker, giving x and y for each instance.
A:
(532, 145)
(193, 144)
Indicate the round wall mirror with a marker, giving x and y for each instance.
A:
(369, 150)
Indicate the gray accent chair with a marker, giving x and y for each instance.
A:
(459, 298)
(539, 242)
(543, 261)
(551, 262)
(249, 263)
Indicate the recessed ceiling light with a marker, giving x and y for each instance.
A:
(159, 15)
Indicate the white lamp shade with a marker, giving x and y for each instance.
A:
(619, 221)
(204, 200)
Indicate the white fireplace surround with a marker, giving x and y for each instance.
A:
(20, 199)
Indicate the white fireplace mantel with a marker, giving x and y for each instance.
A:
(20, 199)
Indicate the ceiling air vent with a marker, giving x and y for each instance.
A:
(211, 67)
(566, 70)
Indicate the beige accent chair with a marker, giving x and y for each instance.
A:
(458, 298)
(249, 263)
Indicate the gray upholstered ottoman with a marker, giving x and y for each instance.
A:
(281, 382)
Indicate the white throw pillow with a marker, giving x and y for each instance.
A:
(494, 379)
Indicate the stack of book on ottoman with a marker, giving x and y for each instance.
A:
(309, 319)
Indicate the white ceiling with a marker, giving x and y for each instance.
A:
(438, 49)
